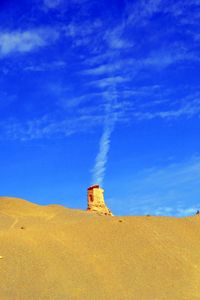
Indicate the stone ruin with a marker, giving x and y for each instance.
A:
(96, 201)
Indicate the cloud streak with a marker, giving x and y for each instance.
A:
(99, 169)
(104, 111)
(12, 42)
(166, 190)
(51, 4)
(102, 156)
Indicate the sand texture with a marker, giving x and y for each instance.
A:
(51, 252)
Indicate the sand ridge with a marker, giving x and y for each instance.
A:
(52, 252)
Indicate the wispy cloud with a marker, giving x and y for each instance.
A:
(51, 4)
(102, 156)
(141, 11)
(111, 65)
(126, 69)
(12, 42)
(49, 126)
(187, 107)
(107, 81)
(167, 190)
(101, 109)
(43, 67)
(115, 38)
(110, 119)
(175, 211)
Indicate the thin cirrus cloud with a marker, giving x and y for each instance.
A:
(47, 127)
(109, 60)
(56, 4)
(107, 81)
(86, 119)
(110, 118)
(141, 12)
(52, 3)
(26, 41)
(156, 189)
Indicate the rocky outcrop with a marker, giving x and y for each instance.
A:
(96, 201)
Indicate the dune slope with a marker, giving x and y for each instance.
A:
(51, 252)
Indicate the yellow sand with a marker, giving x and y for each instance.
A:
(50, 252)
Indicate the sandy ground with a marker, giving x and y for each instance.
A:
(51, 252)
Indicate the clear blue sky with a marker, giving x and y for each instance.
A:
(101, 92)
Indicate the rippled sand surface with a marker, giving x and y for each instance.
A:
(51, 252)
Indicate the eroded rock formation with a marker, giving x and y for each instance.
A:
(96, 201)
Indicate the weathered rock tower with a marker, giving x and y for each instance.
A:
(96, 201)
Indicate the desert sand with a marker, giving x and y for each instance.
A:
(52, 252)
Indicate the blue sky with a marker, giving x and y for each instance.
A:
(101, 92)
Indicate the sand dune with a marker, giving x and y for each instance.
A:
(51, 252)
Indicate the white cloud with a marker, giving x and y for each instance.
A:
(101, 104)
(167, 57)
(102, 156)
(141, 11)
(168, 190)
(102, 69)
(115, 38)
(43, 67)
(187, 211)
(176, 174)
(107, 81)
(25, 41)
(174, 211)
(188, 107)
(48, 127)
(110, 118)
(52, 3)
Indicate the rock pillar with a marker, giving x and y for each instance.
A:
(96, 201)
